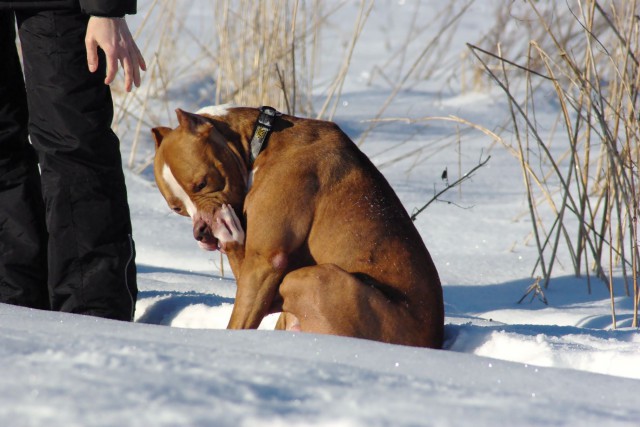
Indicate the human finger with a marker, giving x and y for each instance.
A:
(128, 77)
(141, 62)
(112, 65)
(92, 54)
(135, 65)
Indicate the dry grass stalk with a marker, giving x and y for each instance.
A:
(335, 89)
(589, 187)
(451, 18)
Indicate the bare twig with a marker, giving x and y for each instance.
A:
(459, 181)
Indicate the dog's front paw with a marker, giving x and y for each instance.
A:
(228, 228)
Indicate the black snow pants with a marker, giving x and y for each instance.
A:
(65, 228)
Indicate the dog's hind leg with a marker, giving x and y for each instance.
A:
(328, 300)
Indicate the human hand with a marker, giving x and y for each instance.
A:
(112, 35)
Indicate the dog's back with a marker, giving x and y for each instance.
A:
(358, 224)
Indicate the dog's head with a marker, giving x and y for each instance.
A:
(197, 171)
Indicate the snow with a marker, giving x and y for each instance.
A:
(504, 363)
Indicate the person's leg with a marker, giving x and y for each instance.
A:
(23, 236)
(91, 253)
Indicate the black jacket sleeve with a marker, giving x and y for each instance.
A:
(38, 4)
(108, 8)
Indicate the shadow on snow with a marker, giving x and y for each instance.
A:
(461, 302)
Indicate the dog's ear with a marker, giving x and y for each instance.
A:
(193, 122)
(159, 133)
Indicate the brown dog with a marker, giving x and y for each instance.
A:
(328, 242)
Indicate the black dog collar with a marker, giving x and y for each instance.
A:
(265, 121)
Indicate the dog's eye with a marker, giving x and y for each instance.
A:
(200, 186)
(177, 209)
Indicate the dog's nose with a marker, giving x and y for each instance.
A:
(199, 230)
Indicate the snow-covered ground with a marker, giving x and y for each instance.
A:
(504, 363)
